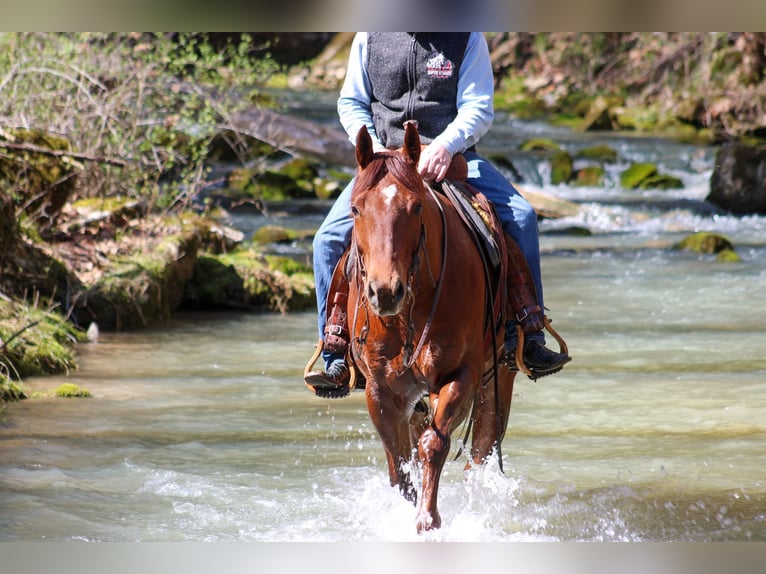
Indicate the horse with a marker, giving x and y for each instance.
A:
(419, 329)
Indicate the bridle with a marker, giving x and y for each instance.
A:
(411, 351)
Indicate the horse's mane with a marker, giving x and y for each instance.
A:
(401, 168)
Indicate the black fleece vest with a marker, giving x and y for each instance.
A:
(414, 77)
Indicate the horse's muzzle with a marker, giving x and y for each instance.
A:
(385, 298)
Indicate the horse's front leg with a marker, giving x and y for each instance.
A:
(392, 424)
(451, 405)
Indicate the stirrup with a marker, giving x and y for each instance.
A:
(308, 370)
(519, 355)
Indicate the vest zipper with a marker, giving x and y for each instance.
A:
(411, 77)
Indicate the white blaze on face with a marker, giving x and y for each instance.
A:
(389, 193)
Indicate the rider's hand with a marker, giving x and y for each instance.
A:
(434, 161)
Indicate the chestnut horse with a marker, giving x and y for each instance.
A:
(418, 323)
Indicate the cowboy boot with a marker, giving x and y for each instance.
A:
(525, 353)
(334, 381)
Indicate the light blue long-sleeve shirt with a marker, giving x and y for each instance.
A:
(474, 96)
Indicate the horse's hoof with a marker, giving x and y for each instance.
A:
(427, 522)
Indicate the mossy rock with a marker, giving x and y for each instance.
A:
(601, 153)
(561, 168)
(69, 391)
(539, 144)
(633, 177)
(246, 279)
(705, 242)
(728, 256)
(144, 287)
(661, 181)
(591, 176)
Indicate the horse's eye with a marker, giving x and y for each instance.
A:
(417, 209)
(354, 211)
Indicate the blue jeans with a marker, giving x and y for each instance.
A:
(515, 213)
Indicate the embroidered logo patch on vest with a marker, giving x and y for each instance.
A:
(438, 66)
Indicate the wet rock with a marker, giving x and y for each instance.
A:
(738, 183)
(710, 244)
(632, 177)
(591, 176)
(561, 168)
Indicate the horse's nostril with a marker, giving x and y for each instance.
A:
(399, 294)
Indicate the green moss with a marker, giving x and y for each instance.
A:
(69, 390)
(561, 168)
(705, 242)
(661, 181)
(728, 256)
(632, 177)
(287, 265)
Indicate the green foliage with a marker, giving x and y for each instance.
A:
(34, 341)
(154, 101)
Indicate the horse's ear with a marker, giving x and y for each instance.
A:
(364, 151)
(411, 146)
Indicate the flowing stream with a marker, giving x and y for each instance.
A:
(203, 430)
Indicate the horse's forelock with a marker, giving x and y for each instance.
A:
(399, 167)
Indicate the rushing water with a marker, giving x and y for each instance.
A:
(656, 431)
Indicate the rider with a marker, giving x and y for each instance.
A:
(444, 81)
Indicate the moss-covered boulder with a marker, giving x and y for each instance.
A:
(247, 279)
(708, 243)
(634, 176)
(590, 176)
(143, 285)
(662, 181)
(562, 168)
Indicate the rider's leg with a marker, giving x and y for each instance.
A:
(520, 222)
(330, 242)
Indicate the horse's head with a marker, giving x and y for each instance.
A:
(387, 204)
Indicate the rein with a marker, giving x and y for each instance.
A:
(409, 357)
